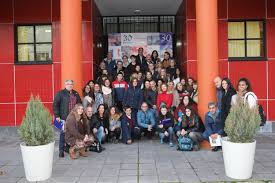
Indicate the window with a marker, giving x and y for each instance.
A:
(246, 40)
(33, 44)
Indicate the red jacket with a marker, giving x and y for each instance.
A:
(165, 98)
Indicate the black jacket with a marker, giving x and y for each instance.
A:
(150, 97)
(97, 122)
(226, 103)
(61, 103)
(167, 121)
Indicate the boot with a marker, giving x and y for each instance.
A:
(82, 152)
(72, 153)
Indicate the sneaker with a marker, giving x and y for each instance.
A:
(161, 141)
(171, 144)
(216, 149)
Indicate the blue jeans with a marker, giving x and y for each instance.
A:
(61, 141)
(170, 131)
(100, 134)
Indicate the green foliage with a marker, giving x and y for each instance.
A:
(36, 128)
(242, 123)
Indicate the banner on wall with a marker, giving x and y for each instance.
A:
(128, 43)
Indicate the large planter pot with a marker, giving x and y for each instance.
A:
(238, 159)
(37, 161)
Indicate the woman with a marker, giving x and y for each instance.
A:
(149, 96)
(163, 75)
(98, 97)
(177, 95)
(195, 95)
(155, 57)
(227, 92)
(164, 98)
(165, 125)
(170, 87)
(107, 93)
(171, 70)
(189, 86)
(99, 124)
(244, 92)
(88, 100)
(176, 80)
(180, 110)
(166, 60)
(148, 76)
(190, 125)
(130, 130)
(86, 90)
(114, 125)
(159, 83)
(154, 73)
(91, 83)
(77, 132)
(133, 96)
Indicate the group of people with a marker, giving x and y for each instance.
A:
(143, 96)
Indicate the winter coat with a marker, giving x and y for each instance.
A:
(226, 102)
(97, 122)
(114, 121)
(212, 125)
(181, 109)
(87, 101)
(167, 121)
(110, 65)
(172, 72)
(98, 100)
(146, 118)
(177, 98)
(126, 129)
(166, 98)
(108, 96)
(149, 96)
(195, 96)
(219, 98)
(133, 97)
(61, 103)
(119, 89)
(190, 124)
(76, 128)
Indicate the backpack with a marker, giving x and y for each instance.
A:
(185, 143)
(260, 109)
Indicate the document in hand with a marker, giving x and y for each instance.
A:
(215, 142)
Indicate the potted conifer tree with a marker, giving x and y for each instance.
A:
(37, 147)
(239, 146)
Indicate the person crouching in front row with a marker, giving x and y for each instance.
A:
(130, 130)
(77, 132)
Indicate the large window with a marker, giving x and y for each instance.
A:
(246, 40)
(33, 44)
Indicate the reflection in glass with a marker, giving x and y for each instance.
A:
(25, 52)
(43, 52)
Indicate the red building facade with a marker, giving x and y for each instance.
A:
(18, 81)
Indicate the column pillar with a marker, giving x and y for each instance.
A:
(71, 42)
(207, 51)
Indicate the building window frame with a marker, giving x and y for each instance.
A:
(245, 39)
(34, 43)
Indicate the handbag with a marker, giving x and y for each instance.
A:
(185, 143)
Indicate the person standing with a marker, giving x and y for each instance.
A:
(119, 88)
(110, 62)
(218, 84)
(64, 102)
(227, 92)
(141, 59)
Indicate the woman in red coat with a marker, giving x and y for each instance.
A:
(164, 97)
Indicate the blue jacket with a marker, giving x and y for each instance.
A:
(110, 66)
(214, 126)
(219, 99)
(133, 97)
(126, 128)
(146, 118)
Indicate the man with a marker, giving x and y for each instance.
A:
(141, 60)
(146, 120)
(214, 125)
(120, 87)
(63, 103)
(110, 63)
(218, 84)
(130, 130)
(125, 61)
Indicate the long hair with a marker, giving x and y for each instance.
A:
(192, 117)
(229, 83)
(75, 113)
(249, 88)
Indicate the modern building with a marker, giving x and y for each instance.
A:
(43, 42)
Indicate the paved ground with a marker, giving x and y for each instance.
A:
(144, 161)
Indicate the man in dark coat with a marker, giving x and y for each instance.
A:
(64, 102)
(141, 60)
